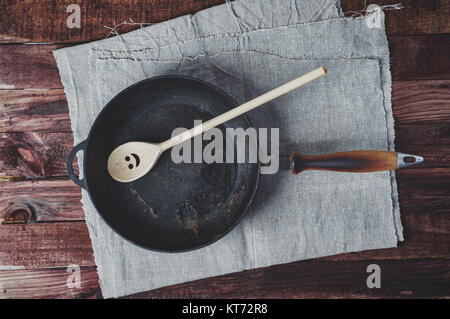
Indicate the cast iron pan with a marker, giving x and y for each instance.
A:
(175, 207)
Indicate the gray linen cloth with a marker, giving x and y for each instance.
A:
(247, 48)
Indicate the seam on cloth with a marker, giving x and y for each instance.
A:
(389, 119)
(177, 40)
(193, 58)
(221, 35)
(66, 90)
(149, 35)
(390, 131)
(85, 196)
(390, 146)
(398, 228)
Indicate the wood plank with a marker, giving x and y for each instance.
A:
(39, 201)
(432, 141)
(423, 102)
(34, 154)
(34, 110)
(47, 283)
(42, 154)
(45, 20)
(320, 279)
(28, 66)
(45, 245)
(413, 58)
(421, 231)
(417, 16)
(46, 110)
(317, 278)
(424, 190)
(421, 190)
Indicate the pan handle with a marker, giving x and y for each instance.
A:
(73, 152)
(353, 161)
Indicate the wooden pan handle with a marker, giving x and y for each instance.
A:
(353, 161)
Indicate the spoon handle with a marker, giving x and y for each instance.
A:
(243, 108)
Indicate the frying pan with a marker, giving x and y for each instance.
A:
(184, 206)
(175, 207)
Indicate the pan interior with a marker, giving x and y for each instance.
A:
(175, 207)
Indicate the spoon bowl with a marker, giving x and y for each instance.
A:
(132, 160)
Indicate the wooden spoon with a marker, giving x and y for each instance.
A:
(133, 160)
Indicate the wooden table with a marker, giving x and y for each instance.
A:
(43, 229)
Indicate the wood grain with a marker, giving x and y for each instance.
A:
(34, 154)
(317, 278)
(42, 154)
(45, 245)
(28, 66)
(34, 110)
(421, 190)
(413, 58)
(432, 141)
(45, 20)
(417, 16)
(423, 102)
(47, 283)
(40, 200)
(424, 190)
(321, 279)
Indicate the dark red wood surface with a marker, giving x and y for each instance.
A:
(42, 227)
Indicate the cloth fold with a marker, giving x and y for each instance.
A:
(247, 48)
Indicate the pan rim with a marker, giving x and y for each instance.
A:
(257, 166)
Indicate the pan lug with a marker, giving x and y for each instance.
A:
(80, 147)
